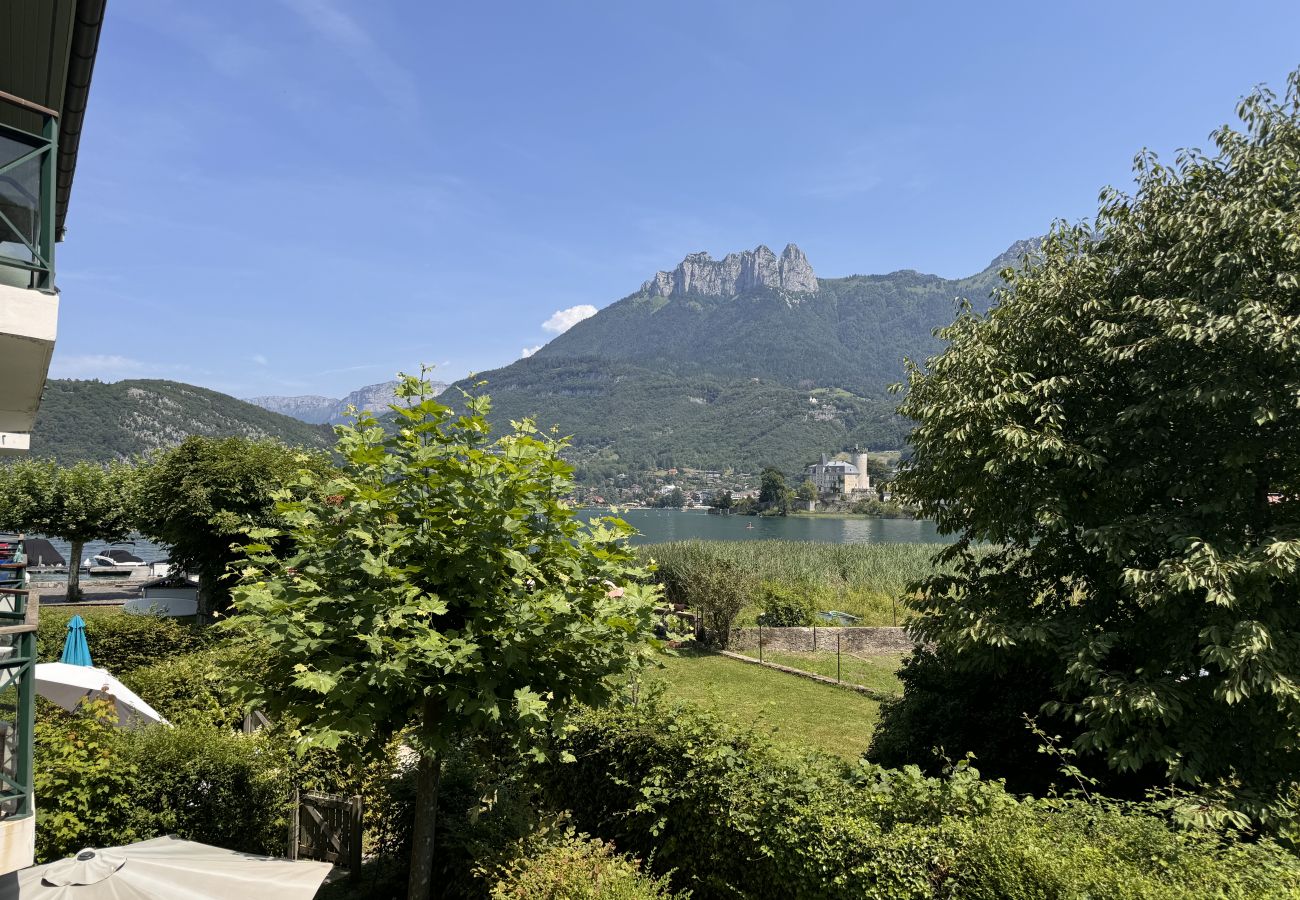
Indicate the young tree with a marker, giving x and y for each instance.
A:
(78, 503)
(723, 500)
(438, 586)
(201, 497)
(773, 493)
(807, 490)
(1123, 427)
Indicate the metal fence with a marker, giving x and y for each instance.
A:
(850, 647)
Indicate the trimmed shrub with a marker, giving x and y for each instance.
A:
(786, 605)
(99, 786)
(189, 689)
(578, 868)
(733, 818)
(119, 642)
(209, 784)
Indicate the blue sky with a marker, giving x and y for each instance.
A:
(304, 196)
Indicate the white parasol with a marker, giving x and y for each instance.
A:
(166, 868)
(67, 685)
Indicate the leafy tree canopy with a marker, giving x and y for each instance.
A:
(203, 496)
(1124, 426)
(438, 583)
(78, 503)
(773, 492)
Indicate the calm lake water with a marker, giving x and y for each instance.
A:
(659, 525)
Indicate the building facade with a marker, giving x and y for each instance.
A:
(840, 477)
(47, 54)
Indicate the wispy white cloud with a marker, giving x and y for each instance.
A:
(529, 351)
(260, 359)
(332, 23)
(563, 319)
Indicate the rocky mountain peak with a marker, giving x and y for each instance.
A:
(736, 273)
(1013, 255)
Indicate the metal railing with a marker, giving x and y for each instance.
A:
(27, 216)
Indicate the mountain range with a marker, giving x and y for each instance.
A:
(329, 411)
(745, 361)
(736, 363)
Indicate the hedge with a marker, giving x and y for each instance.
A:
(119, 642)
(100, 786)
(578, 868)
(735, 819)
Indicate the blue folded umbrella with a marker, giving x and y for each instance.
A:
(76, 652)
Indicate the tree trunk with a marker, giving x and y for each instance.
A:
(74, 569)
(428, 777)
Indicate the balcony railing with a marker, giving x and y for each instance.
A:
(27, 199)
(17, 682)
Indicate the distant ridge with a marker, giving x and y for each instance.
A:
(375, 398)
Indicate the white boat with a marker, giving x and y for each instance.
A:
(116, 562)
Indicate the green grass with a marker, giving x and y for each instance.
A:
(863, 579)
(880, 673)
(799, 714)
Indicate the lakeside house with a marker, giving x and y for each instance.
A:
(47, 54)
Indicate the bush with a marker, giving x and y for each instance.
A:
(83, 787)
(732, 818)
(188, 689)
(693, 574)
(786, 605)
(99, 786)
(485, 809)
(946, 713)
(578, 868)
(119, 642)
(210, 785)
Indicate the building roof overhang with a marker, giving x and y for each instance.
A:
(47, 56)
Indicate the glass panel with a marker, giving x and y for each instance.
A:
(20, 201)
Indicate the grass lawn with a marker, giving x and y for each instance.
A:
(798, 713)
(880, 673)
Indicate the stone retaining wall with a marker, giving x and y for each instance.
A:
(850, 639)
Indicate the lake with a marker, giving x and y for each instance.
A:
(659, 525)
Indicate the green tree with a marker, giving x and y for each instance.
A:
(78, 503)
(1123, 427)
(723, 500)
(438, 585)
(807, 490)
(773, 493)
(201, 497)
(674, 499)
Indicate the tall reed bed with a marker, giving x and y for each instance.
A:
(863, 579)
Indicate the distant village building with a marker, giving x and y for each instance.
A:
(838, 477)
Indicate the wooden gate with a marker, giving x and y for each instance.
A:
(326, 827)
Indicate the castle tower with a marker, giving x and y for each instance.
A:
(860, 461)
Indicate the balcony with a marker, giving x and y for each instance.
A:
(29, 303)
(17, 709)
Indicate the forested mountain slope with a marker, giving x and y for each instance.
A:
(746, 361)
(94, 420)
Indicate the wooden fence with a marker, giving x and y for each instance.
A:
(326, 827)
